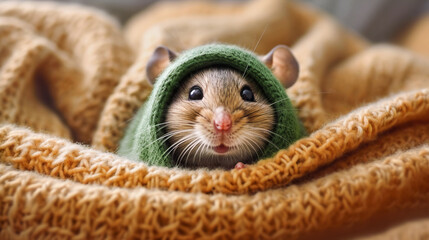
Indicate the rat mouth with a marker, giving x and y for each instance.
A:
(221, 149)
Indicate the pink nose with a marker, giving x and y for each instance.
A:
(222, 120)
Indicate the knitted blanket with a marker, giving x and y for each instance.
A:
(71, 81)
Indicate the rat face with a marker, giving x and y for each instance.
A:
(216, 119)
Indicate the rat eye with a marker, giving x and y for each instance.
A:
(247, 94)
(196, 93)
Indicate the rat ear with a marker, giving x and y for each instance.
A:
(283, 65)
(160, 59)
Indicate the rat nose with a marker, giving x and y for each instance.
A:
(222, 119)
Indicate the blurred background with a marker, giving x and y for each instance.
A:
(377, 20)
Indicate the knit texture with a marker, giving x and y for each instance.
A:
(68, 76)
(140, 140)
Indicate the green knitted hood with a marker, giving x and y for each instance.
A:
(140, 139)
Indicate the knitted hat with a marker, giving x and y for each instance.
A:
(141, 137)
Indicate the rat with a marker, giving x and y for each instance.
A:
(218, 118)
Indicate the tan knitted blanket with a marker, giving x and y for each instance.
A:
(70, 81)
